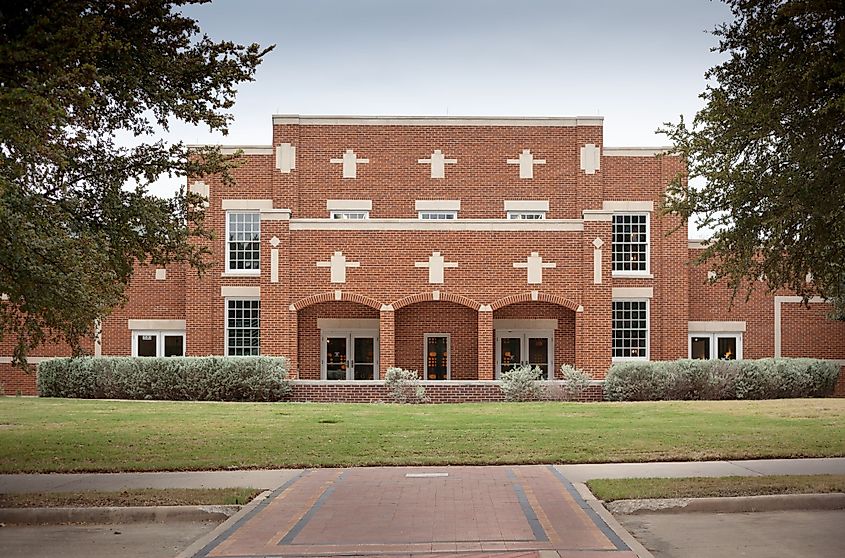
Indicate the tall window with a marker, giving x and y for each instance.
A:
(630, 243)
(242, 327)
(350, 214)
(438, 215)
(243, 233)
(630, 329)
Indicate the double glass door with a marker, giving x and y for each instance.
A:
(515, 349)
(350, 356)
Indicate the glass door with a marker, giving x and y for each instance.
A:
(336, 362)
(363, 364)
(514, 348)
(436, 357)
(538, 353)
(510, 352)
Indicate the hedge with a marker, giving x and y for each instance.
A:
(174, 378)
(767, 378)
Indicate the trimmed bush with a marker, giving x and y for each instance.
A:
(173, 378)
(521, 383)
(577, 381)
(767, 378)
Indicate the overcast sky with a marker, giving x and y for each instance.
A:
(638, 63)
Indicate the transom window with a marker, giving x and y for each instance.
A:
(158, 343)
(243, 333)
(438, 215)
(630, 329)
(243, 234)
(724, 346)
(526, 214)
(350, 214)
(630, 243)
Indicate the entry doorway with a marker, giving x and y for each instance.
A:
(349, 356)
(517, 348)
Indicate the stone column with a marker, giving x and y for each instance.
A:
(387, 339)
(485, 343)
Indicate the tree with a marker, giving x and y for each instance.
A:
(770, 146)
(75, 211)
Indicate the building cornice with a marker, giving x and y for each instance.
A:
(348, 120)
(635, 151)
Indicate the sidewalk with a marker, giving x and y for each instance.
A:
(273, 478)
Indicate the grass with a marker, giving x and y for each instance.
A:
(702, 487)
(139, 497)
(44, 435)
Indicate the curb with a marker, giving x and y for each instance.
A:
(107, 515)
(731, 504)
(636, 547)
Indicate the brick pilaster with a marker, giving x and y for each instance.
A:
(387, 340)
(485, 344)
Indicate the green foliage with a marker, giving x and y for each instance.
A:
(166, 378)
(767, 378)
(404, 385)
(75, 213)
(520, 383)
(769, 145)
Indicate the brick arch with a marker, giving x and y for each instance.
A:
(429, 296)
(541, 297)
(332, 297)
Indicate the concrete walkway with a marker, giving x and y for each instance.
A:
(270, 479)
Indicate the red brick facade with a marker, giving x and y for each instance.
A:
(492, 301)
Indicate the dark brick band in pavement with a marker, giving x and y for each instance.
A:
(519, 511)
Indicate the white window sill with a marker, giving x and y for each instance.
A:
(632, 274)
(629, 359)
(254, 273)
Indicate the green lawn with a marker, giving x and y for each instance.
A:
(137, 497)
(702, 487)
(82, 435)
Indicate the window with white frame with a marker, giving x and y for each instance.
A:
(243, 333)
(158, 343)
(630, 329)
(437, 215)
(350, 215)
(528, 215)
(724, 346)
(630, 243)
(243, 234)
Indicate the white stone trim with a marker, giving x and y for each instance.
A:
(275, 214)
(590, 155)
(715, 327)
(526, 324)
(274, 259)
(526, 205)
(285, 158)
(349, 205)
(597, 215)
(98, 337)
(628, 206)
(635, 151)
(515, 225)
(779, 300)
(247, 204)
(156, 324)
(633, 292)
(345, 120)
(437, 205)
(485, 308)
(232, 149)
(387, 308)
(697, 243)
(348, 324)
(240, 292)
(29, 359)
(161, 274)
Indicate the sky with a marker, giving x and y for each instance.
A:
(638, 63)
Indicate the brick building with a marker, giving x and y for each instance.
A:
(453, 246)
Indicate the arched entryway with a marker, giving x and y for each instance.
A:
(539, 331)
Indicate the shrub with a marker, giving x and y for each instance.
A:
(767, 378)
(577, 381)
(173, 378)
(521, 383)
(404, 385)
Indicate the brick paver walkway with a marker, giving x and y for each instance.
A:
(520, 511)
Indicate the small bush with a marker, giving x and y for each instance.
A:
(767, 378)
(174, 378)
(521, 383)
(404, 385)
(577, 382)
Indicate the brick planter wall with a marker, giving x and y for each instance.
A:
(437, 392)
